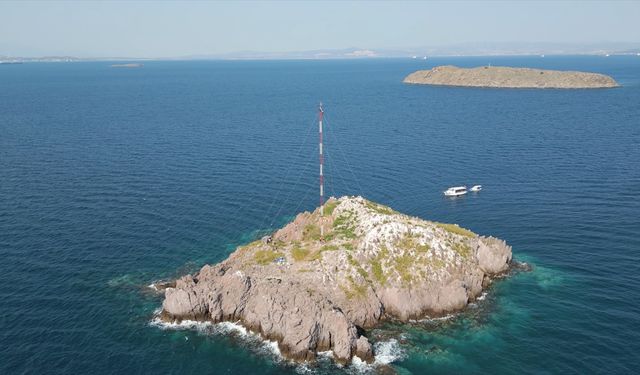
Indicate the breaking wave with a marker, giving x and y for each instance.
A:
(386, 352)
(254, 340)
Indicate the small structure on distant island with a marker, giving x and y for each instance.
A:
(507, 77)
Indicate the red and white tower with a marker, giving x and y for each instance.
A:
(320, 114)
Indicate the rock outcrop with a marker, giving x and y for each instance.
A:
(315, 294)
(506, 77)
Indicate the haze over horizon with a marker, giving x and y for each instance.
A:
(172, 29)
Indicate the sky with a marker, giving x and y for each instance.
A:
(176, 29)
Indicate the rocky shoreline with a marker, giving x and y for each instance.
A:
(313, 294)
(507, 77)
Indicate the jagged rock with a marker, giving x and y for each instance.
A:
(494, 255)
(364, 350)
(314, 294)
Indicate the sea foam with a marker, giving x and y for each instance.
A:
(386, 352)
(254, 340)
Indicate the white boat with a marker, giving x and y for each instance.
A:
(455, 191)
(476, 188)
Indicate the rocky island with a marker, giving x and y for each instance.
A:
(130, 65)
(507, 77)
(313, 294)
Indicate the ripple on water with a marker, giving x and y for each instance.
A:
(235, 331)
(105, 191)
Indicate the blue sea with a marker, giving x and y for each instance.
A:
(112, 179)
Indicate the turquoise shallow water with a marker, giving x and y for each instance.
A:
(111, 179)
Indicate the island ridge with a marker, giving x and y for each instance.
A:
(314, 294)
(507, 77)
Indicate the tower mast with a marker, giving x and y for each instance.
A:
(320, 114)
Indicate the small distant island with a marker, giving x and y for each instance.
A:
(312, 292)
(131, 65)
(507, 77)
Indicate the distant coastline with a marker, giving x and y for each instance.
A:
(508, 77)
(608, 49)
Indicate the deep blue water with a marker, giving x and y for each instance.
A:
(111, 179)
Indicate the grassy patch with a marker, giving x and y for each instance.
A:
(265, 257)
(403, 266)
(357, 266)
(462, 248)
(383, 253)
(376, 266)
(362, 272)
(423, 248)
(311, 232)
(329, 207)
(453, 228)
(384, 210)
(405, 243)
(318, 254)
(329, 248)
(352, 261)
(299, 253)
(348, 233)
(360, 290)
(378, 272)
(344, 226)
(433, 263)
(354, 290)
(328, 237)
(437, 262)
(409, 242)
